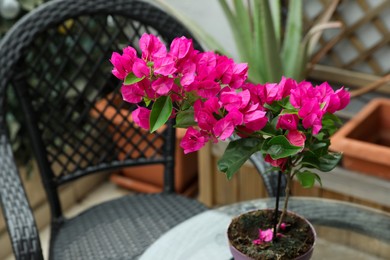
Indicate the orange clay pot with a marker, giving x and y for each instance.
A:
(365, 140)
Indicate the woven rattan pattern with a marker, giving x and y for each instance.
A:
(57, 60)
(20, 221)
(98, 232)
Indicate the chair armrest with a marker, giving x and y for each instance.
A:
(16, 209)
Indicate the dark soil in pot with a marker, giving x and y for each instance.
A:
(297, 238)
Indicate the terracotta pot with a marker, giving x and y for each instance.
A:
(238, 255)
(365, 140)
(148, 178)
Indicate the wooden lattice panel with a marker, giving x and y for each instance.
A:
(363, 43)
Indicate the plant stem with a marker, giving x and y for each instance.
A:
(288, 175)
(276, 213)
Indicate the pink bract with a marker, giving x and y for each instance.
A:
(288, 122)
(151, 47)
(123, 64)
(164, 66)
(181, 48)
(141, 117)
(296, 138)
(224, 127)
(163, 85)
(264, 236)
(140, 69)
(132, 93)
(193, 140)
(276, 162)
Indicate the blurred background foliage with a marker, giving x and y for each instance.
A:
(13, 10)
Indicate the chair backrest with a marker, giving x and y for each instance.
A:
(56, 60)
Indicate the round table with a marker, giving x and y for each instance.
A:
(345, 231)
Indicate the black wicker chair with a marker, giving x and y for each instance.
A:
(56, 61)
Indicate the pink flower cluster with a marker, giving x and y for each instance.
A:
(223, 102)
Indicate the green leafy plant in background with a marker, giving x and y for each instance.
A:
(273, 45)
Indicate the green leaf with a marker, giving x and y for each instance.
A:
(285, 103)
(265, 47)
(308, 178)
(185, 118)
(279, 147)
(269, 130)
(237, 153)
(161, 111)
(244, 25)
(331, 123)
(189, 100)
(289, 111)
(235, 25)
(276, 13)
(320, 148)
(275, 107)
(323, 163)
(147, 101)
(292, 49)
(131, 79)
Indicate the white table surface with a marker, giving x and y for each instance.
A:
(203, 237)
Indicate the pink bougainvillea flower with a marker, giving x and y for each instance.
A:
(224, 69)
(310, 106)
(287, 122)
(205, 120)
(312, 121)
(256, 92)
(285, 86)
(132, 93)
(254, 117)
(270, 93)
(224, 127)
(181, 48)
(141, 117)
(323, 90)
(204, 113)
(140, 69)
(299, 94)
(206, 65)
(123, 64)
(264, 236)
(206, 88)
(151, 47)
(344, 97)
(233, 100)
(240, 75)
(193, 140)
(211, 105)
(281, 163)
(188, 74)
(164, 66)
(163, 85)
(331, 103)
(311, 115)
(296, 138)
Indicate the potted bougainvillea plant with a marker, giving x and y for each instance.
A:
(288, 122)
